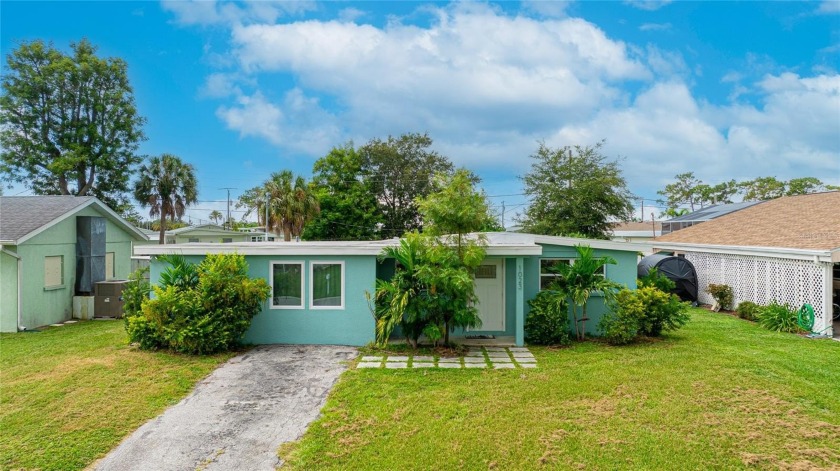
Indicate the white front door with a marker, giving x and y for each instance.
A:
(490, 289)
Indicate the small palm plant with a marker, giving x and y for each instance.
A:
(581, 279)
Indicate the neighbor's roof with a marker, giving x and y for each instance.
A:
(810, 222)
(498, 244)
(713, 212)
(23, 217)
(204, 227)
(637, 229)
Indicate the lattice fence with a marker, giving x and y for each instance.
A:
(763, 280)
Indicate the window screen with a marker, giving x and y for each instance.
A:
(287, 284)
(327, 284)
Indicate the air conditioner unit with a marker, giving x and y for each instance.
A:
(108, 300)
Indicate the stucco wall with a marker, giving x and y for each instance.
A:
(42, 306)
(352, 325)
(8, 292)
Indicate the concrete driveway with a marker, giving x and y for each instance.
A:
(238, 416)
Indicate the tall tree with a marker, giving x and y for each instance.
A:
(348, 204)
(399, 170)
(575, 190)
(762, 189)
(167, 186)
(803, 186)
(684, 191)
(68, 123)
(216, 216)
(291, 203)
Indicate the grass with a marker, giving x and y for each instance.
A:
(70, 394)
(721, 393)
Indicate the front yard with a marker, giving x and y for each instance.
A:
(720, 393)
(70, 394)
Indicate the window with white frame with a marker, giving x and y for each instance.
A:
(286, 285)
(54, 271)
(549, 268)
(326, 285)
(110, 270)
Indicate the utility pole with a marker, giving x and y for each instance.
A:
(653, 225)
(267, 196)
(643, 208)
(503, 215)
(227, 222)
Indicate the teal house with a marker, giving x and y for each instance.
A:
(318, 288)
(39, 255)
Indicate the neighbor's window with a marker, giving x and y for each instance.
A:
(327, 285)
(547, 268)
(53, 271)
(227, 240)
(193, 239)
(286, 285)
(110, 271)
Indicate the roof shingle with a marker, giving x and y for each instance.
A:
(20, 215)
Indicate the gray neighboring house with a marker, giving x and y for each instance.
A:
(38, 255)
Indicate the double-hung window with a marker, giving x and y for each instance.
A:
(548, 270)
(326, 285)
(286, 285)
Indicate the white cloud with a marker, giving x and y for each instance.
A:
(547, 8)
(351, 14)
(829, 7)
(649, 5)
(212, 12)
(655, 27)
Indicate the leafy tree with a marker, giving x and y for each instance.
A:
(253, 201)
(683, 191)
(674, 212)
(803, 186)
(575, 190)
(399, 170)
(455, 208)
(580, 280)
(291, 203)
(348, 204)
(216, 216)
(721, 193)
(762, 189)
(167, 186)
(68, 123)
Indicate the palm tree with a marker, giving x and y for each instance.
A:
(579, 280)
(167, 186)
(216, 216)
(291, 204)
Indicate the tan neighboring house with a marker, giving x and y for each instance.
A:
(636, 231)
(785, 250)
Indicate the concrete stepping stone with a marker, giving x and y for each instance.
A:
(528, 365)
(56, 325)
(449, 360)
(475, 353)
(449, 365)
(396, 364)
(421, 358)
(371, 358)
(70, 322)
(397, 358)
(495, 349)
(518, 356)
(499, 366)
(475, 365)
(368, 364)
(474, 360)
(525, 360)
(519, 349)
(422, 365)
(501, 360)
(497, 355)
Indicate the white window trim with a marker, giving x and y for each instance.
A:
(571, 262)
(312, 264)
(302, 264)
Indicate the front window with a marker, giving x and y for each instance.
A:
(327, 288)
(286, 285)
(548, 269)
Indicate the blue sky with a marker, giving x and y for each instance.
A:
(724, 89)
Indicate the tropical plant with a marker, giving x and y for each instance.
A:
(292, 204)
(167, 186)
(136, 291)
(216, 216)
(778, 317)
(180, 273)
(722, 294)
(748, 310)
(208, 317)
(646, 311)
(656, 280)
(575, 190)
(548, 320)
(68, 122)
(581, 279)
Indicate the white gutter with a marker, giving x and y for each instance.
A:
(19, 286)
(777, 252)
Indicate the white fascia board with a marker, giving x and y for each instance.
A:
(777, 252)
(515, 250)
(9, 252)
(594, 243)
(258, 248)
(109, 213)
(835, 255)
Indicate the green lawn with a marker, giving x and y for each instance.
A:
(719, 394)
(70, 394)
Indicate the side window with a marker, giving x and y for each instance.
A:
(547, 268)
(286, 285)
(110, 270)
(193, 239)
(53, 271)
(327, 285)
(227, 240)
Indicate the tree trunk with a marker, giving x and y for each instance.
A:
(162, 239)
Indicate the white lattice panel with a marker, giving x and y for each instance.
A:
(763, 280)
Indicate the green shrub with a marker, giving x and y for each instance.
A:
(723, 294)
(748, 310)
(135, 292)
(778, 317)
(208, 316)
(656, 280)
(548, 320)
(646, 311)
